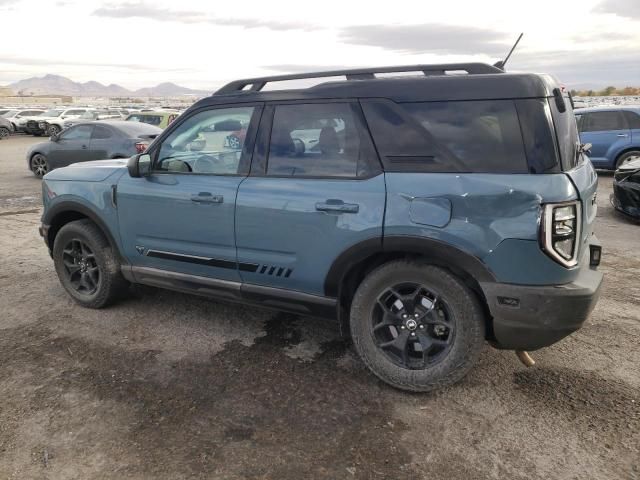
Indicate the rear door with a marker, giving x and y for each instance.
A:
(103, 141)
(316, 189)
(608, 134)
(633, 122)
(72, 146)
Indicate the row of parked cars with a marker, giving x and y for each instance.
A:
(39, 122)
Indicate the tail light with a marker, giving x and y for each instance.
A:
(561, 232)
(141, 147)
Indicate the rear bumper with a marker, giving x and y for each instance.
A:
(532, 317)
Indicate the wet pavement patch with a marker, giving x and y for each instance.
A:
(251, 412)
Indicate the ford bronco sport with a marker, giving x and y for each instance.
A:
(427, 213)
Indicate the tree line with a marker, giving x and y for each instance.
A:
(606, 92)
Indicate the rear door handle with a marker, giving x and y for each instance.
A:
(206, 197)
(84, 147)
(337, 206)
(622, 135)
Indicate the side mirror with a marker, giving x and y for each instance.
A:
(139, 165)
(54, 138)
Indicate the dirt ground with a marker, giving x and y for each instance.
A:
(165, 385)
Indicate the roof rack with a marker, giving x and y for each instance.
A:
(258, 83)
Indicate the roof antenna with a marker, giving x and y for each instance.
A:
(500, 64)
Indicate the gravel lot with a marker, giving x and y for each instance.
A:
(166, 385)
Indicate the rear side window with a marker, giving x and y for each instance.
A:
(602, 121)
(633, 120)
(460, 136)
(150, 119)
(318, 140)
(100, 133)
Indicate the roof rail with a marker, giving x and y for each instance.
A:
(258, 83)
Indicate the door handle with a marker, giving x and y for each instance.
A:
(84, 147)
(206, 197)
(622, 135)
(337, 206)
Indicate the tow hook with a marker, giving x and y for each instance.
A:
(525, 358)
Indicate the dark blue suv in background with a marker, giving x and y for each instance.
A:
(613, 132)
(427, 213)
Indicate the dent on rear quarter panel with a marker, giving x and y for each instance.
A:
(486, 210)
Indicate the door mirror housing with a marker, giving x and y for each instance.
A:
(54, 138)
(139, 165)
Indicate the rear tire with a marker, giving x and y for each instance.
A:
(627, 157)
(422, 344)
(54, 130)
(4, 132)
(87, 266)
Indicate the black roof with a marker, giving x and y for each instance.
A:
(481, 82)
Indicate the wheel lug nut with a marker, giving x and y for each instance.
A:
(421, 326)
(413, 334)
(402, 327)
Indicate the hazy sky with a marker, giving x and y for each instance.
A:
(203, 44)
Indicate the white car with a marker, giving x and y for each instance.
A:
(18, 118)
(90, 115)
(52, 122)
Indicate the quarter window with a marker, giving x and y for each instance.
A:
(461, 136)
(318, 140)
(633, 120)
(210, 142)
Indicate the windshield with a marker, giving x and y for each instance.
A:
(51, 113)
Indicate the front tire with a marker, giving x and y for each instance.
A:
(87, 266)
(39, 165)
(416, 326)
(4, 132)
(53, 130)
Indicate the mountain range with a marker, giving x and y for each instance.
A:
(59, 85)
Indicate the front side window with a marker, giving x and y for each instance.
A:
(317, 140)
(80, 132)
(602, 121)
(52, 113)
(211, 141)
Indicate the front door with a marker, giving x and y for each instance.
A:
(180, 218)
(72, 146)
(315, 190)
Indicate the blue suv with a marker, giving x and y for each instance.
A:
(427, 213)
(613, 132)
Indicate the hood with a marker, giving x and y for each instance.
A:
(95, 171)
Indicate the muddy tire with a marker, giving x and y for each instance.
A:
(416, 326)
(87, 266)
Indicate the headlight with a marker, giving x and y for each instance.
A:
(561, 232)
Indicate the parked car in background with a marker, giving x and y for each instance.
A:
(54, 124)
(105, 139)
(6, 128)
(91, 115)
(19, 117)
(613, 132)
(626, 188)
(160, 119)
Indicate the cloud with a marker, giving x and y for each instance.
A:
(298, 68)
(141, 10)
(429, 38)
(622, 8)
(54, 62)
(586, 69)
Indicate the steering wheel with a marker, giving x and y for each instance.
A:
(206, 164)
